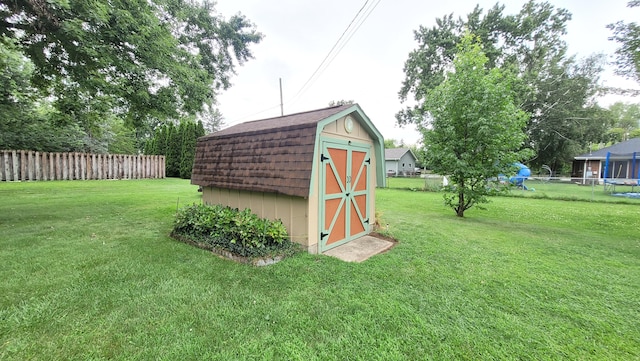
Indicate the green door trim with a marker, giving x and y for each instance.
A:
(348, 192)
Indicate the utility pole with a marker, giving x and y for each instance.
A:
(281, 105)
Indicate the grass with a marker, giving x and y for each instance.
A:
(538, 189)
(89, 272)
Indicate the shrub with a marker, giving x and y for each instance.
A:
(240, 232)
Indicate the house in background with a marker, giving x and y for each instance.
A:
(400, 162)
(624, 163)
(316, 171)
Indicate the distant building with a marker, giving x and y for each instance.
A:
(624, 163)
(400, 162)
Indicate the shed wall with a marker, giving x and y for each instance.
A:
(292, 211)
(300, 215)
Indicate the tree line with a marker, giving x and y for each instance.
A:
(178, 145)
(557, 90)
(493, 90)
(103, 76)
(107, 76)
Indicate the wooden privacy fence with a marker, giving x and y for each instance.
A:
(25, 165)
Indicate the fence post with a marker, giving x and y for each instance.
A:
(105, 166)
(30, 165)
(44, 165)
(52, 170)
(23, 165)
(16, 166)
(164, 166)
(154, 167)
(5, 166)
(111, 166)
(133, 166)
(37, 164)
(127, 171)
(101, 168)
(76, 166)
(65, 166)
(83, 166)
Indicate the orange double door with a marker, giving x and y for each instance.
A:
(344, 184)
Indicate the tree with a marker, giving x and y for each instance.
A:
(390, 143)
(192, 131)
(122, 140)
(625, 119)
(16, 93)
(628, 54)
(474, 127)
(178, 145)
(144, 61)
(564, 116)
(25, 122)
(174, 149)
(555, 89)
(211, 118)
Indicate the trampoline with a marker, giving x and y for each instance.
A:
(627, 195)
(622, 170)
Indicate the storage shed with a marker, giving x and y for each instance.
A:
(316, 171)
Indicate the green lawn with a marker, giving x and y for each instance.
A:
(537, 189)
(88, 272)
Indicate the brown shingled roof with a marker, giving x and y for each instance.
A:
(272, 155)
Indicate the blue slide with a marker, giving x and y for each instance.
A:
(523, 173)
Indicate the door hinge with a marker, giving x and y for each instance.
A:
(322, 235)
(368, 161)
(366, 221)
(323, 158)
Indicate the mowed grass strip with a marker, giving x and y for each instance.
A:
(89, 273)
(537, 189)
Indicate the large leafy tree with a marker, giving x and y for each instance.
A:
(145, 61)
(26, 123)
(625, 121)
(473, 127)
(565, 118)
(555, 89)
(628, 54)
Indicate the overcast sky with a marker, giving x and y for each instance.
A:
(300, 33)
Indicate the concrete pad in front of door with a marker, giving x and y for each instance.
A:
(360, 249)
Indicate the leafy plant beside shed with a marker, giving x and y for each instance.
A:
(240, 235)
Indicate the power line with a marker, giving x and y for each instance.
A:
(358, 20)
(332, 49)
(238, 120)
(362, 20)
(331, 55)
